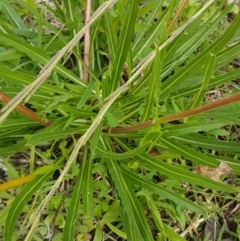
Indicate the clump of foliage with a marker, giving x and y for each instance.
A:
(118, 120)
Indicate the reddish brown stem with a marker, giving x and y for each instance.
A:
(136, 127)
(177, 116)
(180, 9)
(201, 109)
(24, 110)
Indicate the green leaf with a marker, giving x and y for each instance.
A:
(112, 215)
(20, 146)
(195, 35)
(112, 120)
(42, 137)
(177, 172)
(124, 44)
(10, 54)
(227, 55)
(203, 142)
(216, 81)
(111, 35)
(19, 77)
(189, 153)
(156, 7)
(13, 16)
(195, 127)
(119, 156)
(86, 94)
(69, 228)
(17, 122)
(153, 34)
(45, 169)
(164, 193)
(207, 72)
(37, 55)
(130, 203)
(88, 188)
(152, 87)
(95, 139)
(195, 65)
(115, 230)
(20, 201)
(164, 228)
(98, 233)
(129, 228)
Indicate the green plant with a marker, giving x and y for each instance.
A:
(125, 136)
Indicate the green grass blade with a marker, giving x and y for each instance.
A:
(195, 34)
(69, 228)
(130, 203)
(37, 55)
(199, 141)
(147, 23)
(195, 127)
(86, 95)
(152, 35)
(16, 122)
(20, 146)
(124, 155)
(167, 231)
(19, 77)
(13, 17)
(116, 230)
(124, 44)
(217, 81)
(189, 153)
(95, 138)
(176, 172)
(98, 233)
(111, 35)
(10, 54)
(88, 188)
(129, 229)
(233, 163)
(227, 55)
(153, 87)
(207, 72)
(39, 138)
(20, 200)
(193, 68)
(164, 193)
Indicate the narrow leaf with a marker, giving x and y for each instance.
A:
(88, 188)
(124, 43)
(119, 156)
(164, 193)
(69, 228)
(130, 203)
(16, 182)
(207, 72)
(19, 202)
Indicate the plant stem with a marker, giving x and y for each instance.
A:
(24, 110)
(177, 116)
(180, 9)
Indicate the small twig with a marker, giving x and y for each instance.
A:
(192, 226)
(87, 42)
(180, 9)
(24, 110)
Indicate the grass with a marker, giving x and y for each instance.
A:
(107, 128)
